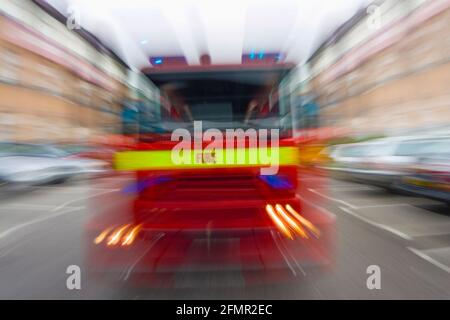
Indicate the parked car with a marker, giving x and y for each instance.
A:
(430, 177)
(382, 162)
(23, 164)
(89, 152)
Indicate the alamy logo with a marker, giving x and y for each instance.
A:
(73, 18)
(373, 17)
(73, 281)
(374, 280)
(259, 152)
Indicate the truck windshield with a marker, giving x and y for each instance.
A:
(222, 100)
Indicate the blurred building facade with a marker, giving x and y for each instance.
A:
(386, 71)
(55, 86)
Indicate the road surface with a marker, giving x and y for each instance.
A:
(41, 234)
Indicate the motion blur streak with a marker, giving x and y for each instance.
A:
(291, 222)
(281, 226)
(115, 236)
(102, 236)
(119, 235)
(132, 234)
(303, 221)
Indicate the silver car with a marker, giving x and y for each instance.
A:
(381, 162)
(23, 164)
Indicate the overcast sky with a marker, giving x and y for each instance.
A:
(139, 29)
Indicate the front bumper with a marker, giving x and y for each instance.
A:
(259, 255)
(192, 241)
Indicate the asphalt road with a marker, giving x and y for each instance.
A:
(41, 234)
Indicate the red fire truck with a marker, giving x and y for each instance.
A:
(213, 183)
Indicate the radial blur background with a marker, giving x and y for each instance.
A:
(368, 86)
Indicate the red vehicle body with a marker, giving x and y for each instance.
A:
(165, 221)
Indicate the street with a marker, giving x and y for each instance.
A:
(41, 234)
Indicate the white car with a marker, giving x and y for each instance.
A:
(380, 162)
(32, 164)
